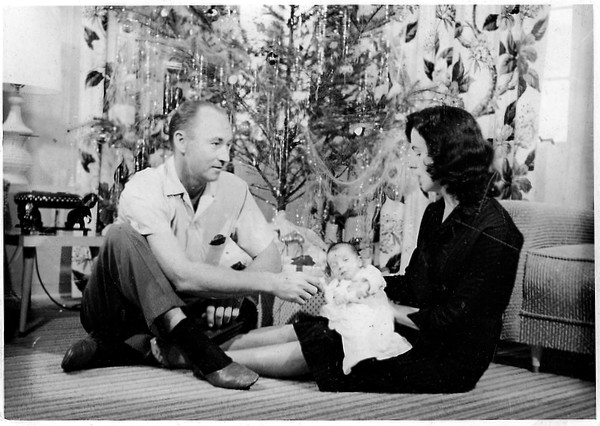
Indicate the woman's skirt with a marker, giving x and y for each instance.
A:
(416, 371)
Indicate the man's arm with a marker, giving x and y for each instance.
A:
(223, 311)
(268, 260)
(206, 280)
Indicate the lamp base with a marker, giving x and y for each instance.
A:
(14, 121)
(16, 159)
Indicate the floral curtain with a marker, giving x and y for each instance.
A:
(91, 56)
(98, 157)
(489, 60)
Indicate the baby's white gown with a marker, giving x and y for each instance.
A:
(366, 324)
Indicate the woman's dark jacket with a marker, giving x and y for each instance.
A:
(461, 277)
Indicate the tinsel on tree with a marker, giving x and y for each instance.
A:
(317, 94)
(318, 72)
(156, 58)
(310, 122)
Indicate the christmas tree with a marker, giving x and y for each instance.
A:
(308, 90)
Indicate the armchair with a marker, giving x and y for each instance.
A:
(552, 304)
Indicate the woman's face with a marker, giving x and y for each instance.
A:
(419, 160)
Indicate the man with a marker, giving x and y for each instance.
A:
(157, 271)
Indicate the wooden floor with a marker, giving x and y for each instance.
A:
(37, 389)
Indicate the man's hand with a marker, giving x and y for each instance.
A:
(223, 312)
(298, 287)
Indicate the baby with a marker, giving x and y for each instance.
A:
(358, 308)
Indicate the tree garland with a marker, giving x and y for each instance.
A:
(318, 94)
(387, 167)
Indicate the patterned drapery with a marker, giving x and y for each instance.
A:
(491, 59)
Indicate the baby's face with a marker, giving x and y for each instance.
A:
(343, 262)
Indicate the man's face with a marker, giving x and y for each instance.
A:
(207, 145)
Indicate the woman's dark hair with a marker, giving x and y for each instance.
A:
(185, 115)
(462, 158)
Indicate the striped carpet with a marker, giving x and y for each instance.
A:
(36, 389)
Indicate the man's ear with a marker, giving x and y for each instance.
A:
(179, 141)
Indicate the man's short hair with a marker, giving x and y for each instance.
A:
(185, 115)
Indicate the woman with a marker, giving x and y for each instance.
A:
(449, 304)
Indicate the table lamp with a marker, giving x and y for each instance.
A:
(31, 57)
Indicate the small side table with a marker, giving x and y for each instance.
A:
(30, 243)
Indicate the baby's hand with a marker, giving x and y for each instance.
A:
(359, 288)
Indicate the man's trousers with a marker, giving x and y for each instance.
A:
(127, 290)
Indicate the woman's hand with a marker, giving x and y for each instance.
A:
(401, 313)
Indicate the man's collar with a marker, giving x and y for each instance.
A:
(211, 188)
(175, 187)
(173, 184)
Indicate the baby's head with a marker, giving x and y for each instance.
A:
(343, 261)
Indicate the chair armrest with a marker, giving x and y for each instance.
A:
(542, 225)
(545, 225)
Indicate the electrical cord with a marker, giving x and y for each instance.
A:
(74, 307)
(14, 255)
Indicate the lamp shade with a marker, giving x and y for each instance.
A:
(32, 42)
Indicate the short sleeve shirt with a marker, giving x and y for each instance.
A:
(155, 201)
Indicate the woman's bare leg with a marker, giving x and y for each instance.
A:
(262, 337)
(279, 360)
(170, 356)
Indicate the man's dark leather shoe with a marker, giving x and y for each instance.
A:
(234, 376)
(80, 355)
(95, 353)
